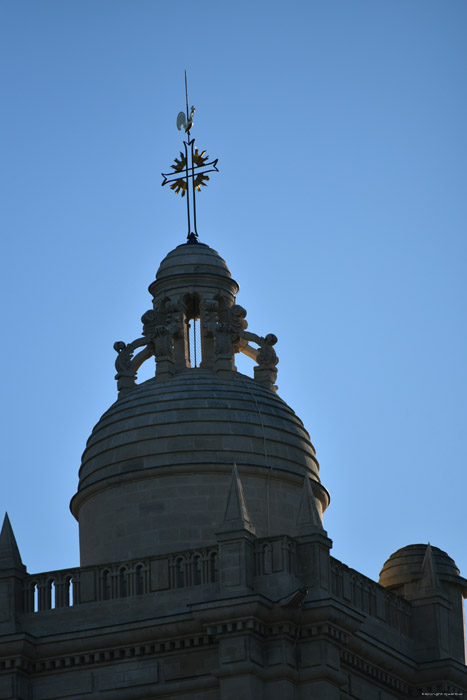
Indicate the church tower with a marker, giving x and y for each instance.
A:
(205, 570)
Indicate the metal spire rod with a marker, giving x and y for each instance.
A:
(190, 169)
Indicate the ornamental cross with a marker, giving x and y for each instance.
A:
(189, 169)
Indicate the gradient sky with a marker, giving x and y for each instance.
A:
(340, 208)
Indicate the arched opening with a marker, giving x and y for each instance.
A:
(194, 329)
(122, 582)
(213, 568)
(196, 570)
(179, 573)
(68, 597)
(35, 597)
(105, 584)
(139, 579)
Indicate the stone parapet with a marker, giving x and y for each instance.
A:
(70, 587)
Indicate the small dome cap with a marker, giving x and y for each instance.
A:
(406, 566)
(193, 259)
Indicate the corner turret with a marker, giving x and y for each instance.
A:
(430, 579)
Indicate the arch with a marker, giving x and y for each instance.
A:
(69, 599)
(197, 570)
(213, 567)
(140, 571)
(122, 582)
(180, 573)
(52, 588)
(105, 584)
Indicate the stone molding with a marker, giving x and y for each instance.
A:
(356, 663)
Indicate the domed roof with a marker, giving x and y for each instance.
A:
(193, 259)
(155, 471)
(405, 565)
(193, 268)
(197, 418)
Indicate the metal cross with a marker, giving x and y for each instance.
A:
(190, 169)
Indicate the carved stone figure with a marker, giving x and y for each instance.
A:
(149, 321)
(237, 319)
(267, 357)
(162, 342)
(223, 339)
(174, 317)
(209, 315)
(123, 363)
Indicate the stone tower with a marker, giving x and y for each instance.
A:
(205, 570)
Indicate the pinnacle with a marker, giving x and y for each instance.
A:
(308, 519)
(429, 579)
(10, 557)
(236, 513)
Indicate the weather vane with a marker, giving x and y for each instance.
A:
(190, 169)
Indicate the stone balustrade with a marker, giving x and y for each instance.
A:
(369, 597)
(273, 555)
(60, 589)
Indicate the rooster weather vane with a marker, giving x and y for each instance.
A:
(189, 169)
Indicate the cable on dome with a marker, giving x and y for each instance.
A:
(266, 457)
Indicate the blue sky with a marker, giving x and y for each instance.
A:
(340, 208)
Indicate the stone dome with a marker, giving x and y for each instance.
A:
(156, 470)
(193, 266)
(405, 566)
(168, 448)
(197, 418)
(193, 259)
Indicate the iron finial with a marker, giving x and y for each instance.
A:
(189, 169)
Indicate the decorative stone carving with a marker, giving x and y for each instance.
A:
(223, 339)
(209, 316)
(174, 317)
(127, 365)
(237, 319)
(123, 362)
(162, 342)
(238, 324)
(267, 357)
(149, 321)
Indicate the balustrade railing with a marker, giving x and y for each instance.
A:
(369, 597)
(61, 589)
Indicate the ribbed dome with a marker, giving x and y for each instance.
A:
(405, 565)
(197, 418)
(156, 470)
(193, 268)
(193, 259)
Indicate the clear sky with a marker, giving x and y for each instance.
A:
(340, 208)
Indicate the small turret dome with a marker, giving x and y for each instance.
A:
(193, 266)
(192, 259)
(406, 566)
